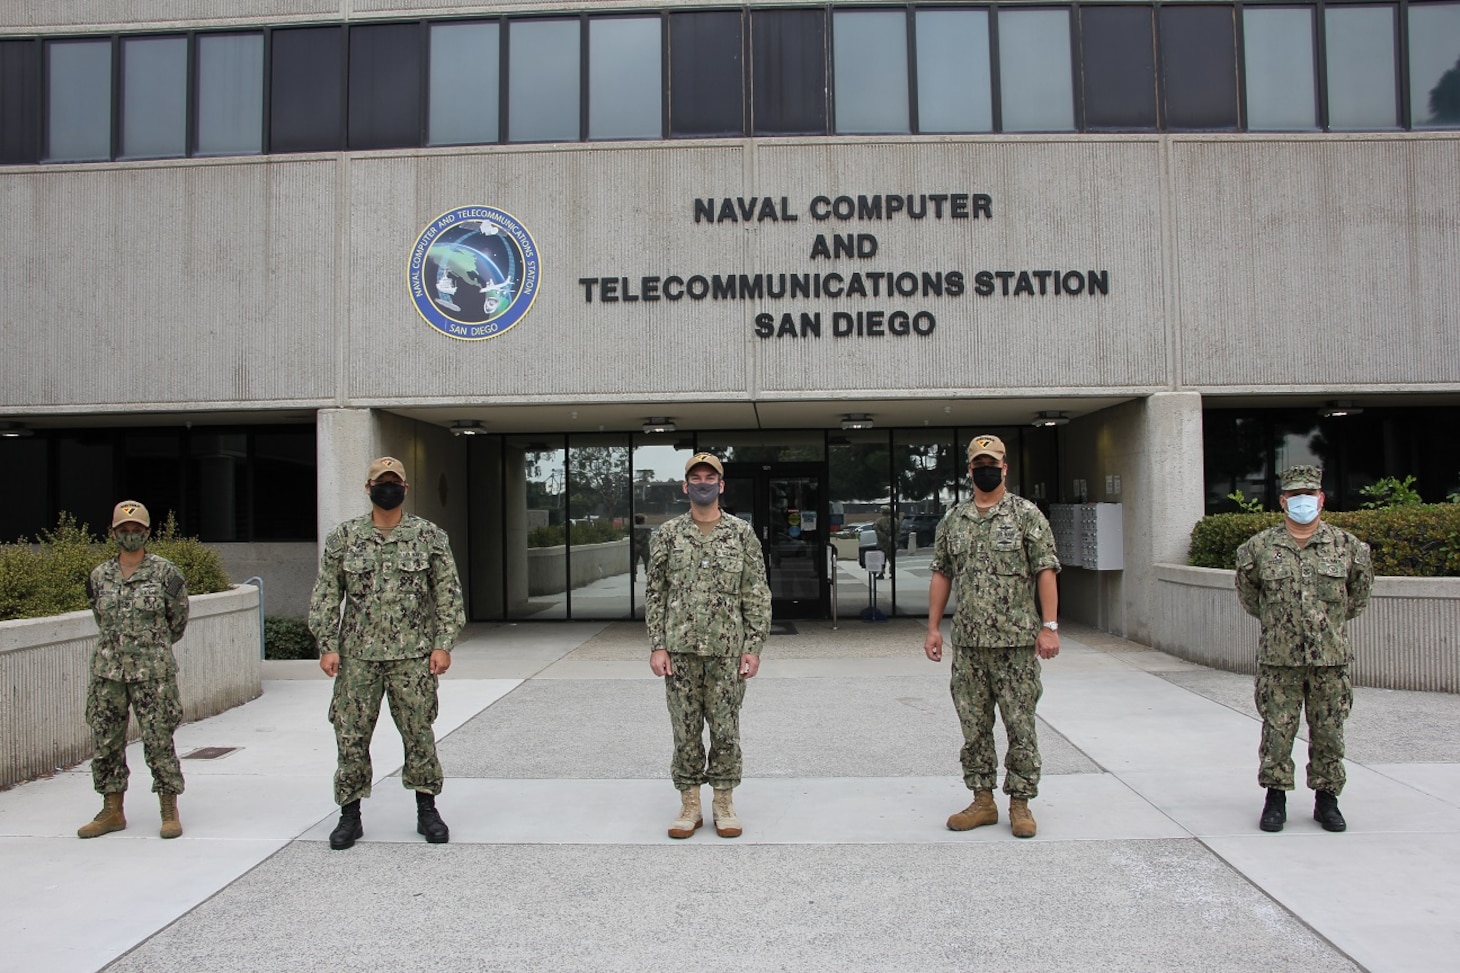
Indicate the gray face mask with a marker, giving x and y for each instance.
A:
(704, 494)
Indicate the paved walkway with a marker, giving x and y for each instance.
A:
(556, 746)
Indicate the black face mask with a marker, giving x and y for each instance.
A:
(387, 495)
(987, 478)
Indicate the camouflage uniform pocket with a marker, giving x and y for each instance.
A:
(1010, 561)
(1333, 581)
(359, 574)
(149, 598)
(412, 573)
(729, 565)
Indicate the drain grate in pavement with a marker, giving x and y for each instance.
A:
(782, 628)
(209, 753)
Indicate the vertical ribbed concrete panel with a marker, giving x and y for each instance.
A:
(592, 213)
(92, 15)
(1413, 642)
(1058, 205)
(175, 285)
(43, 724)
(89, 15)
(1408, 638)
(1324, 262)
(468, 8)
(45, 668)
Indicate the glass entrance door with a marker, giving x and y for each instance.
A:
(785, 502)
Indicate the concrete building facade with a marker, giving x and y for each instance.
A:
(813, 305)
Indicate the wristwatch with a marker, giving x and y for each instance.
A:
(1052, 626)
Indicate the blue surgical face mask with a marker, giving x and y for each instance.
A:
(1303, 508)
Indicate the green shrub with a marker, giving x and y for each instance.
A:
(1215, 539)
(1245, 504)
(288, 638)
(49, 577)
(201, 566)
(1410, 541)
(1391, 491)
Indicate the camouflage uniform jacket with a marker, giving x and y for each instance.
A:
(707, 593)
(139, 618)
(1304, 596)
(883, 527)
(402, 597)
(993, 562)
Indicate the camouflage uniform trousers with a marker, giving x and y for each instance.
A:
(705, 690)
(1282, 694)
(1008, 677)
(159, 711)
(355, 709)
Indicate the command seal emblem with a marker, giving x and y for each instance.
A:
(473, 272)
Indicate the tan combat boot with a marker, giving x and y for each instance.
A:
(981, 812)
(171, 826)
(109, 819)
(1021, 822)
(727, 825)
(689, 818)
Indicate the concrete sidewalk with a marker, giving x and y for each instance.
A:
(556, 743)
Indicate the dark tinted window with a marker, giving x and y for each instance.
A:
(1118, 58)
(26, 509)
(152, 472)
(385, 86)
(1199, 68)
(706, 78)
(788, 57)
(85, 472)
(284, 465)
(306, 99)
(20, 101)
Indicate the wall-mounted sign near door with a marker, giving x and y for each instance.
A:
(473, 272)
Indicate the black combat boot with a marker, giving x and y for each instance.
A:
(1274, 811)
(349, 830)
(428, 820)
(1326, 813)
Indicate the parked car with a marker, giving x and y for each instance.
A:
(924, 525)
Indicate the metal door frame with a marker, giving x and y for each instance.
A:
(760, 474)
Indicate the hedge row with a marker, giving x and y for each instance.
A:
(1413, 542)
(287, 637)
(587, 532)
(49, 576)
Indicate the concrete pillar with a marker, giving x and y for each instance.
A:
(1174, 466)
(344, 446)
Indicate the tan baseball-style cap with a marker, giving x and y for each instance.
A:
(130, 512)
(1301, 478)
(704, 459)
(387, 464)
(986, 446)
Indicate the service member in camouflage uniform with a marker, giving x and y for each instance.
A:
(1303, 579)
(141, 608)
(708, 610)
(885, 527)
(997, 548)
(402, 611)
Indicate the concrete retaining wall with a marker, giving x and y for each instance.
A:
(591, 562)
(45, 667)
(1408, 638)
